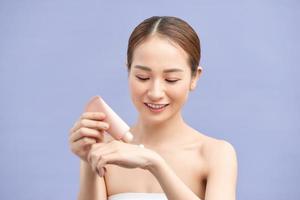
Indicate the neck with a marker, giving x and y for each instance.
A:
(156, 134)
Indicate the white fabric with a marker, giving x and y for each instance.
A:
(138, 196)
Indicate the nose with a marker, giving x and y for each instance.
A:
(156, 91)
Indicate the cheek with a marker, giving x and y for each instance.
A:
(180, 91)
(135, 87)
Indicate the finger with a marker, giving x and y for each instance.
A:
(93, 115)
(100, 166)
(101, 149)
(100, 125)
(75, 127)
(82, 144)
(86, 132)
(104, 151)
(103, 159)
(92, 155)
(96, 153)
(101, 172)
(87, 115)
(93, 164)
(85, 141)
(93, 159)
(97, 171)
(111, 158)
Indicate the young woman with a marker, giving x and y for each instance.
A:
(176, 162)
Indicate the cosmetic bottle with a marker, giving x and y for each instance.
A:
(118, 129)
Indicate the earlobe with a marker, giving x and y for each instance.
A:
(193, 85)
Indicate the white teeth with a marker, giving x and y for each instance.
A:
(155, 106)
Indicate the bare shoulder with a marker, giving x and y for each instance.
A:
(221, 160)
(218, 166)
(216, 149)
(217, 152)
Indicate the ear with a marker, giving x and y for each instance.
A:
(195, 78)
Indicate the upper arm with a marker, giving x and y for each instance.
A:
(222, 176)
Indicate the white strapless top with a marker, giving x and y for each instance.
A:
(138, 196)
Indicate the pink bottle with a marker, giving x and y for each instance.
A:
(118, 129)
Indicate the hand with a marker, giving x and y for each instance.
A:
(88, 130)
(121, 154)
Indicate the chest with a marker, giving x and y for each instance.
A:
(187, 164)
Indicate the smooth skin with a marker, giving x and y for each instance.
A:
(176, 159)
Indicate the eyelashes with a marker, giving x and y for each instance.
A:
(168, 80)
(171, 81)
(142, 79)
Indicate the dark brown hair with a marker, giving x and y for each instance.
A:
(173, 28)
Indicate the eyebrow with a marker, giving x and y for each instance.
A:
(145, 68)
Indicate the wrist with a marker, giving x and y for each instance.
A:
(86, 167)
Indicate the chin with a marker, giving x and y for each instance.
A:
(151, 121)
(155, 119)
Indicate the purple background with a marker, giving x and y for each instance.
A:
(55, 55)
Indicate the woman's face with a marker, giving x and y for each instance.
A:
(159, 79)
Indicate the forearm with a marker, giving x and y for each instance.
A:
(172, 185)
(89, 184)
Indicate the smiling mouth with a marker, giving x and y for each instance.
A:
(156, 107)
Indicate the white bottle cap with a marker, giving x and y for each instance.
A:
(127, 137)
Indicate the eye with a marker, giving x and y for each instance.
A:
(142, 79)
(171, 81)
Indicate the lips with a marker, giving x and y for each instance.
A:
(156, 107)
